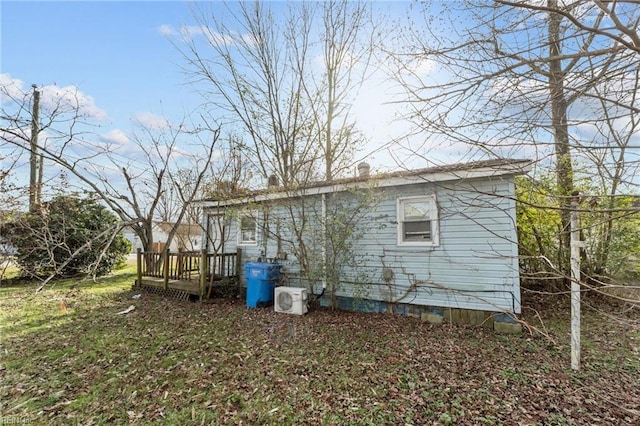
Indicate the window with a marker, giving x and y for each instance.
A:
(248, 230)
(418, 221)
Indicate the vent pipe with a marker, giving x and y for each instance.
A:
(364, 169)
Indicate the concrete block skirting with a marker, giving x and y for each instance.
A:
(500, 322)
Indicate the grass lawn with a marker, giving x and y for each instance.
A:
(66, 357)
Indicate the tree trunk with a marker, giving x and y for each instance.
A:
(564, 169)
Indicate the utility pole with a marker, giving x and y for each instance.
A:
(34, 187)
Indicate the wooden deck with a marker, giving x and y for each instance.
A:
(186, 273)
(189, 286)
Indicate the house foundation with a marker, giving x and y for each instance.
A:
(506, 323)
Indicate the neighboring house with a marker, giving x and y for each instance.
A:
(412, 242)
(6, 249)
(187, 238)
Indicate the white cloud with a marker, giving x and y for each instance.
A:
(70, 99)
(216, 38)
(151, 121)
(189, 32)
(66, 99)
(166, 30)
(116, 137)
(10, 88)
(422, 66)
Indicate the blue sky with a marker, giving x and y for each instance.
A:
(115, 53)
(111, 51)
(117, 56)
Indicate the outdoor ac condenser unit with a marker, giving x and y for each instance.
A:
(291, 300)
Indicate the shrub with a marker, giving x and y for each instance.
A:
(68, 236)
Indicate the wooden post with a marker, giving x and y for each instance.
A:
(238, 263)
(166, 264)
(203, 271)
(34, 191)
(575, 281)
(214, 264)
(179, 264)
(139, 265)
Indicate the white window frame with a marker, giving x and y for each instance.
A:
(433, 218)
(241, 240)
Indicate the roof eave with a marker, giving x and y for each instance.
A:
(516, 167)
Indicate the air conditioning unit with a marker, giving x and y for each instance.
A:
(291, 300)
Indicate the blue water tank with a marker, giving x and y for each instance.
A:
(261, 280)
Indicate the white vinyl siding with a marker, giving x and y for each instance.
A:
(469, 261)
(474, 264)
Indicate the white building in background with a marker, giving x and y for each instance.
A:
(187, 238)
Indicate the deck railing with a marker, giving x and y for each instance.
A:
(187, 265)
(222, 265)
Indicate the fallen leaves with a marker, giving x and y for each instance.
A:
(190, 363)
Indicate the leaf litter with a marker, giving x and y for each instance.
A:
(177, 362)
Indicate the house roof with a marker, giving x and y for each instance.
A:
(184, 229)
(443, 173)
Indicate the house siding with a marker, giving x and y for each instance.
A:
(474, 266)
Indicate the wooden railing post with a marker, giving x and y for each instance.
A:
(203, 272)
(180, 266)
(139, 265)
(238, 263)
(166, 263)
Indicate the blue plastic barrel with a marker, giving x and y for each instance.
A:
(261, 281)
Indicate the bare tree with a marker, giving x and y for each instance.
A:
(259, 68)
(288, 80)
(347, 48)
(132, 184)
(246, 72)
(164, 183)
(531, 79)
(57, 123)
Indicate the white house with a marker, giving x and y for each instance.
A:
(188, 237)
(415, 242)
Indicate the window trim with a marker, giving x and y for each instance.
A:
(434, 219)
(241, 241)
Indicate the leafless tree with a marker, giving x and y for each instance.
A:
(347, 47)
(555, 80)
(288, 78)
(258, 66)
(164, 183)
(131, 183)
(245, 72)
(60, 121)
